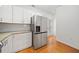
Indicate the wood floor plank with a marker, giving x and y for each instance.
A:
(53, 46)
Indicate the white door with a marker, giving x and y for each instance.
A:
(17, 14)
(7, 48)
(6, 14)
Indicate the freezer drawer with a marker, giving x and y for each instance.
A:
(37, 41)
(44, 39)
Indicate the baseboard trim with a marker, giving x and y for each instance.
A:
(67, 44)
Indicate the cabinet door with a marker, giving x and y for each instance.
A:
(44, 38)
(7, 48)
(27, 17)
(18, 42)
(28, 39)
(0, 14)
(37, 41)
(7, 14)
(17, 14)
(21, 41)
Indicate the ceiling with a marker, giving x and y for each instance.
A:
(46, 8)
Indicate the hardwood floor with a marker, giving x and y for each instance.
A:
(53, 46)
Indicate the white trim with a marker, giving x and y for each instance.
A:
(68, 44)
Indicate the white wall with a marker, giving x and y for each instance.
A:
(52, 26)
(67, 25)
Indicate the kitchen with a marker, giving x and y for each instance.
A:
(29, 26)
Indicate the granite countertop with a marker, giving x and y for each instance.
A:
(3, 35)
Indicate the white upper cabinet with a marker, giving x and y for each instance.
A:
(6, 14)
(0, 14)
(18, 14)
(15, 14)
(27, 16)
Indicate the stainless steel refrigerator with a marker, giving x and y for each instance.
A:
(39, 31)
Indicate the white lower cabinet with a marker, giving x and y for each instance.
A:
(7, 48)
(28, 39)
(17, 42)
(22, 41)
